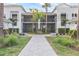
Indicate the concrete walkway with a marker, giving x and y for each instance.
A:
(38, 46)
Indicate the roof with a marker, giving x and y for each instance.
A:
(15, 5)
(49, 13)
(74, 6)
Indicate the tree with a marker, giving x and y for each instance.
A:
(7, 21)
(12, 22)
(33, 18)
(46, 6)
(72, 32)
(37, 16)
(65, 22)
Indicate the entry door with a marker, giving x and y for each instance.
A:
(51, 27)
(43, 27)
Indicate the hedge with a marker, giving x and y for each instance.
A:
(62, 31)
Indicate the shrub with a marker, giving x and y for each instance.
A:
(73, 33)
(11, 40)
(13, 30)
(1, 41)
(65, 41)
(62, 30)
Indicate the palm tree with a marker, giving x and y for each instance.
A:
(71, 22)
(33, 18)
(37, 16)
(46, 6)
(7, 21)
(65, 22)
(12, 22)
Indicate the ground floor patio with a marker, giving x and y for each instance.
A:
(35, 27)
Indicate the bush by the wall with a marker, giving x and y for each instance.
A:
(11, 40)
(65, 41)
(14, 30)
(62, 31)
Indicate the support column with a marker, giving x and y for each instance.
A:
(58, 22)
(20, 23)
(39, 24)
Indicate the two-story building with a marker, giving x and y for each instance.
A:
(24, 23)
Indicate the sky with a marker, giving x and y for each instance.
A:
(38, 6)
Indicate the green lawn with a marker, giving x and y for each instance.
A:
(14, 50)
(62, 50)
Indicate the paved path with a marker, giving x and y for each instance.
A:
(38, 46)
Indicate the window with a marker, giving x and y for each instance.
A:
(14, 17)
(74, 15)
(63, 18)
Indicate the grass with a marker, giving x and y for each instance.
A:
(62, 50)
(14, 50)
